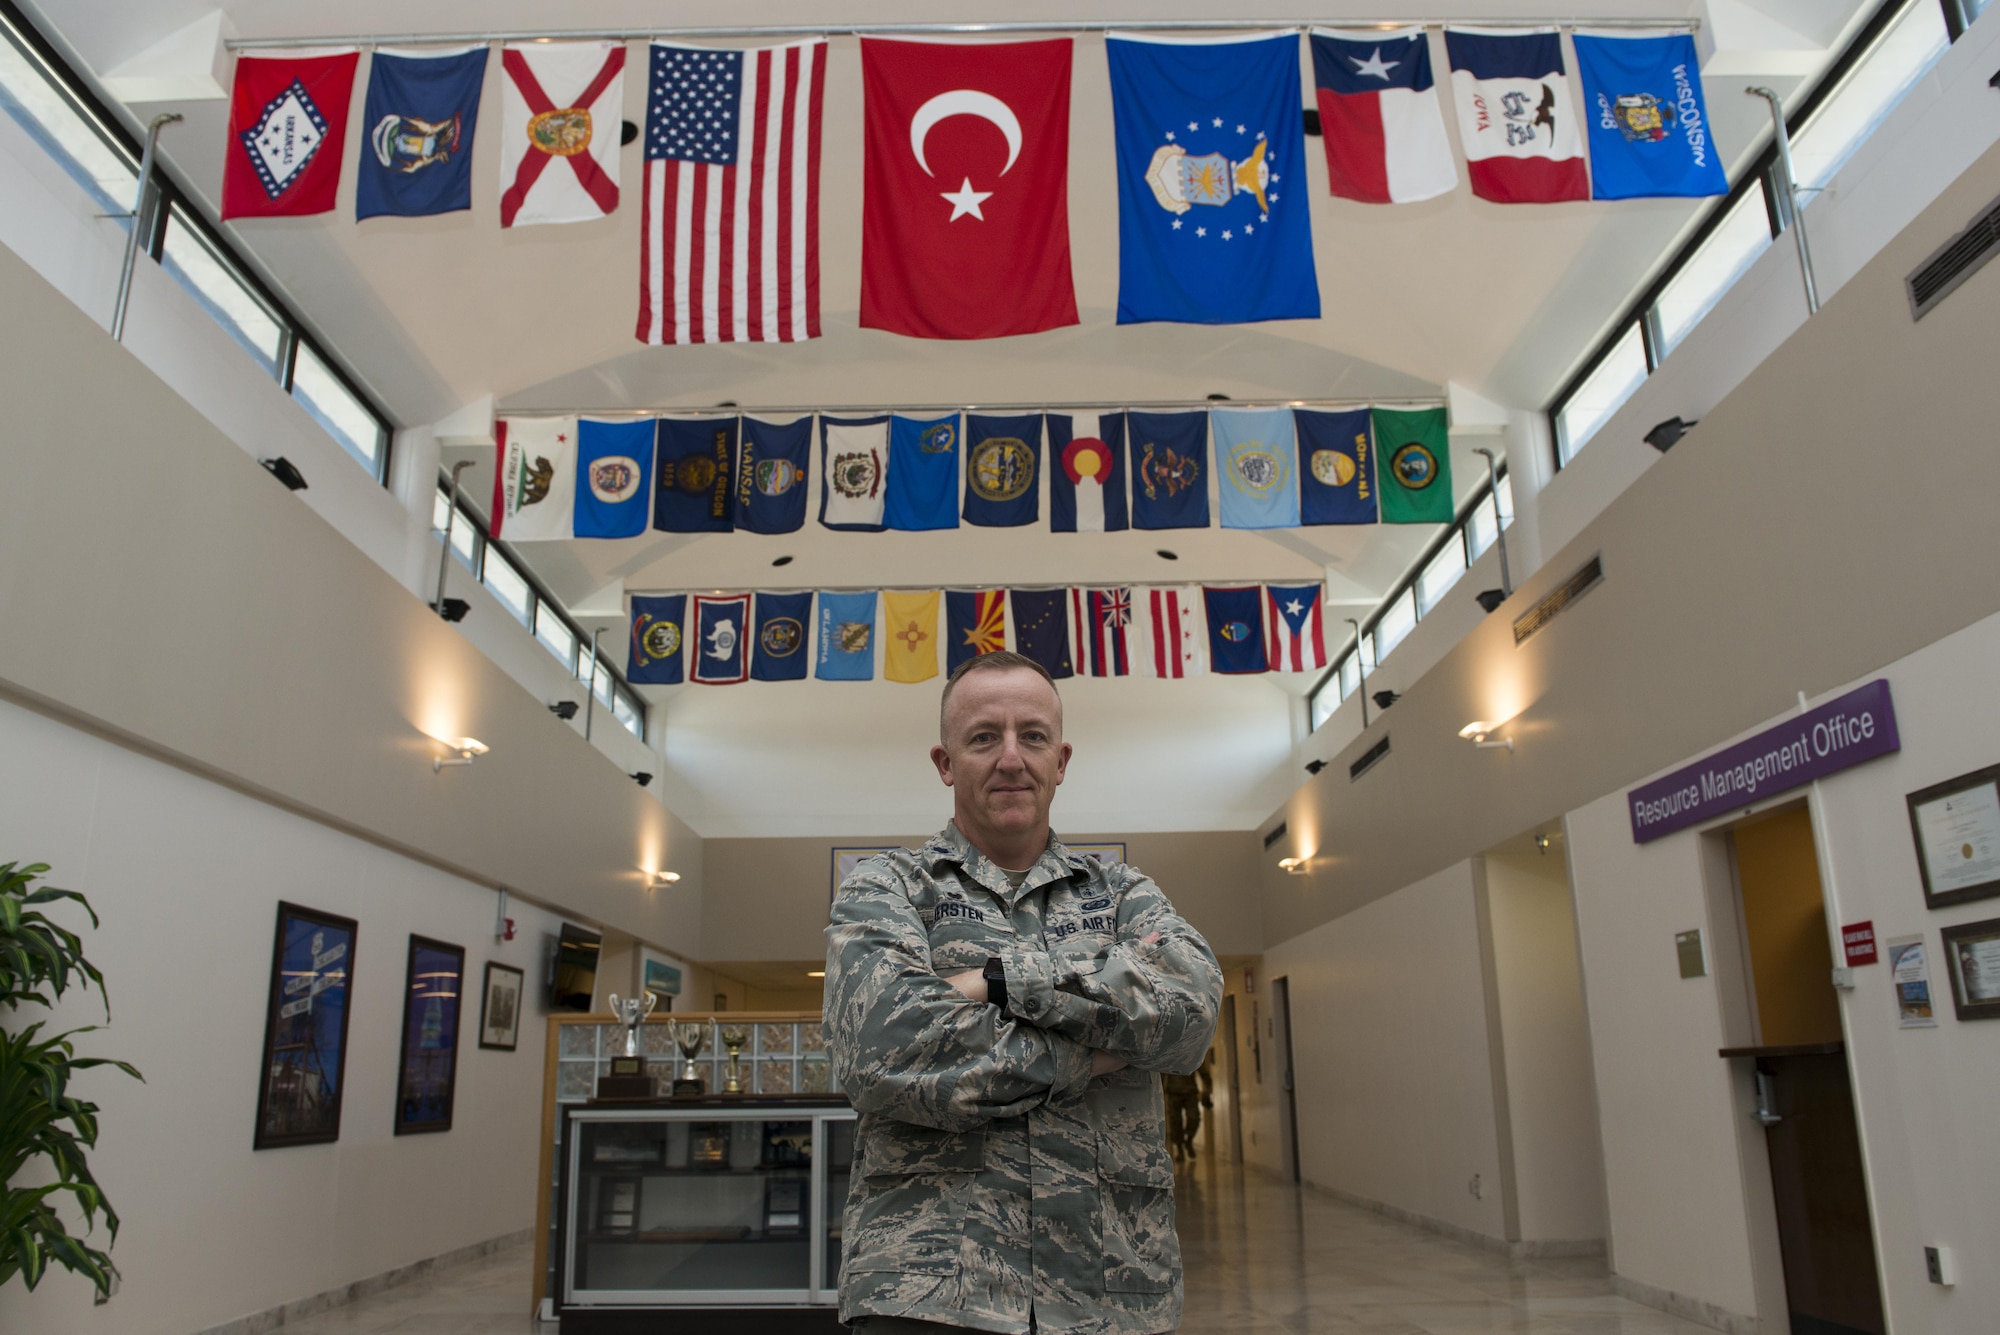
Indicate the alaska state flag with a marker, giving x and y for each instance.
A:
(697, 475)
(287, 130)
(1169, 463)
(417, 129)
(655, 655)
(722, 639)
(1514, 116)
(1379, 116)
(975, 623)
(1648, 124)
(1256, 460)
(771, 463)
(1236, 629)
(1415, 475)
(1336, 467)
(1294, 630)
(1212, 222)
(854, 469)
(1087, 476)
(1041, 629)
(923, 474)
(1003, 463)
(846, 643)
(614, 473)
(784, 628)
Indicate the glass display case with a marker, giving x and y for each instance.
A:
(702, 1203)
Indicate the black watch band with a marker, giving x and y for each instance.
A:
(995, 975)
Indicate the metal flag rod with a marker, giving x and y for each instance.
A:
(1360, 666)
(1678, 24)
(878, 409)
(444, 550)
(1499, 527)
(946, 587)
(142, 217)
(1790, 184)
(590, 687)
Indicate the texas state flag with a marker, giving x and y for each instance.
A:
(287, 129)
(1379, 116)
(1521, 141)
(1236, 629)
(1294, 632)
(722, 639)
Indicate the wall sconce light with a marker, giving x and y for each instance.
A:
(1668, 433)
(1315, 766)
(1293, 866)
(1489, 600)
(468, 748)
(1541, 842)
(452, 609)
(564, 710)
(642, 778)
(1383, 699)
(655, 880)
(1480, 735)
(285, 471)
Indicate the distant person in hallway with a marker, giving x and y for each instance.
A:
(996, 1009)
(1187, 1095)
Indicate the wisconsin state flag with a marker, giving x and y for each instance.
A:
(965, 220)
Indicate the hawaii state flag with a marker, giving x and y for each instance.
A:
(534, 478)
(419, 120)
(1379, 116)
(975, 622)
(1042, 629)
(561, 111)
(1087, 476)
(655, 656)
(1173, 631)
(1648, 125)
(722, 639)
(287, 131)
(965, 186)
(1236, 629)
(1514, 117)
(1103, 620)
(1294, 631)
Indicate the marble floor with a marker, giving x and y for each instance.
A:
(1263, 1258)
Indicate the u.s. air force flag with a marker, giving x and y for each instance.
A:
(771, 465)
(418, 125)
(784, 625)
(1212, 222)
(1254, 458)
(655, 657)
(1336, 467)
(846, 645)
(614, 473)
(722, 640)
(1648, 125)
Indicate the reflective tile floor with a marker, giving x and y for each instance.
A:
(1262, 1259)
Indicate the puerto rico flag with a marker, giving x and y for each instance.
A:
(1103, 620)
(1175, 639)
(1521, 140)
(287, 130)
(560, 114)
(1379, 117)
(1294, 637)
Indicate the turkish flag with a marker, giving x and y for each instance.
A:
(965, 225)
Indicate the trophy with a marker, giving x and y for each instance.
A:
(628, 1078)
(689, 1039)
(734, 1039)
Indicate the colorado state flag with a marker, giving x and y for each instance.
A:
(1169, 454)
(614, 473)
(1255, 458)
(697, 475)
(923, 474)
(771, 468)
(655, 657)
(1336, 467)
(722, 639)
(846, 649)
(784, 627)
(1087, 476)
(909, 645)
(417, 127)
(1236, 629)
(975, 624)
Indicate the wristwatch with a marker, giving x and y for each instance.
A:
(995, 975)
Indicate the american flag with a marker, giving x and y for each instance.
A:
(729, 231)
(1103, 618)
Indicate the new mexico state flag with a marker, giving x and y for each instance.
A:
(1413, 466)
(909, 636)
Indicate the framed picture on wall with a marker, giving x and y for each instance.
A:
(1972, 959)
(1957, 828)
(303, 1075)
(500, 1007)
(847, 858)
(663, 982)
(1108, 854)
(427, 1075)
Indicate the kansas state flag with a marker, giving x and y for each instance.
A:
(722, 639)
(1087, 476)
(771, 465)
(1169, 465)
(417, 128)
(1648, 125)
(1212, 221)
(655, 656)
(1236, 629)
(784, 626)
(1003, 464)
(975, 623)
(1041, 629)
(697, 475)
(846, 649)
(923, 474)
(1255, 458)
(614, 474)
(1336, 467)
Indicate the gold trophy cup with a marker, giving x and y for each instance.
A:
(734, 1040)
(689, 1038)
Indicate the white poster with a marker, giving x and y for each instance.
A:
(1910, 972)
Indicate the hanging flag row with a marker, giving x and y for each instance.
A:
(568, 477)
(1165, 631)
(1213, 226)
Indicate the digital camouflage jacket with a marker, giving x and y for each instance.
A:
(994, 1179)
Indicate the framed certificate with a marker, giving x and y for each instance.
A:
(1972, 959)
(1956, 825)
(1105, 853)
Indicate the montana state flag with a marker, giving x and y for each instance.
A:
(1415, 469)
(975, 624)
(1336, 467)
(909, 636)
(655, 657)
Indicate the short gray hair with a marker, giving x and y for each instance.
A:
(1000, 660)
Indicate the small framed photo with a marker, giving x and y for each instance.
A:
(847, 857)
(304, 1073)
(1972, 958)
(1108, 854)
(500, 1007)
(1956, 825)
(427, 1077)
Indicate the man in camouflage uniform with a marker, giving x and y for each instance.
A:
(1187, 1095)
(996, 1010)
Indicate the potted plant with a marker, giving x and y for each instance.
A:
(41, 1122)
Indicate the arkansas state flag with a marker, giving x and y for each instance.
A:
(1379, 117)
(1294, 633)
(1514, 116)
(561, 111)
(287, 129)
(965, 224)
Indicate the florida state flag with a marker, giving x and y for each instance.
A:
(287, 128)
(965, 225)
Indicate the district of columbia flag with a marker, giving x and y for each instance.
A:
(1379, 116)
(1648, 124)
(1256, 460)
(1515, 119)
(909, 644)
(784, 627)
(975, 624)
(1175, 642)
(287, 132)
(1103, 618)
(1414, 472)
(722, 639)
(729, 225)
(560, 112)
(1235, 629)
(1042, 629)
(1294, 630)
(854, 470)
(534, 478)
(845, 638)
(654, 658)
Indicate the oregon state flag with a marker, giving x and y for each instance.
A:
(909, 636)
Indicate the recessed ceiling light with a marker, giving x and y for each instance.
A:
(782, 561)
(1166, 555)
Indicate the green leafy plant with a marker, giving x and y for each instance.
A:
(41, 1122)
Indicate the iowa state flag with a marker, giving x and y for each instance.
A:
(1336, 467)
(1236, 629)
(965, 219)
(1003, 464)
(561, 109)
(1648, 123)
(1415, 472)
(1379, 116)
(1087, 476)
(697, 475)
(534, 478)
(784, 625)
(1294, 630)
(1169, 463)
(1514, 116)
(923, 474)
(287, 132)
(771, 464)
(655, 656)
(975, 623)
(721, 639)
(419, 121)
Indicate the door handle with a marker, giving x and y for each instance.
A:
(1766, 1112)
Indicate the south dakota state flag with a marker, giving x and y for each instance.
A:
(771, 465)
(614, 474)
(1336, 467)
(418, 124)
(1255, 458)
(1003, 463)
(975, 623)
(1648, 125)
(1212, 221)
(1087, 476)
(784, 625)
(1041, 629)
(722, 639)
(1169, 455)
(846, 643)
(697, 475)
(655, 655)
(923, 474)
(1236, 629)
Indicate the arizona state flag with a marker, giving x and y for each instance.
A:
(975, 624)
(965, 219)
(909, 636)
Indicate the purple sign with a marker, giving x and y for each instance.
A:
(1856, 727)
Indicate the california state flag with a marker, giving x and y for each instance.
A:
(560, 120)
(534, 478)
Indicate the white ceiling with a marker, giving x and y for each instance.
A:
(436, 313)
